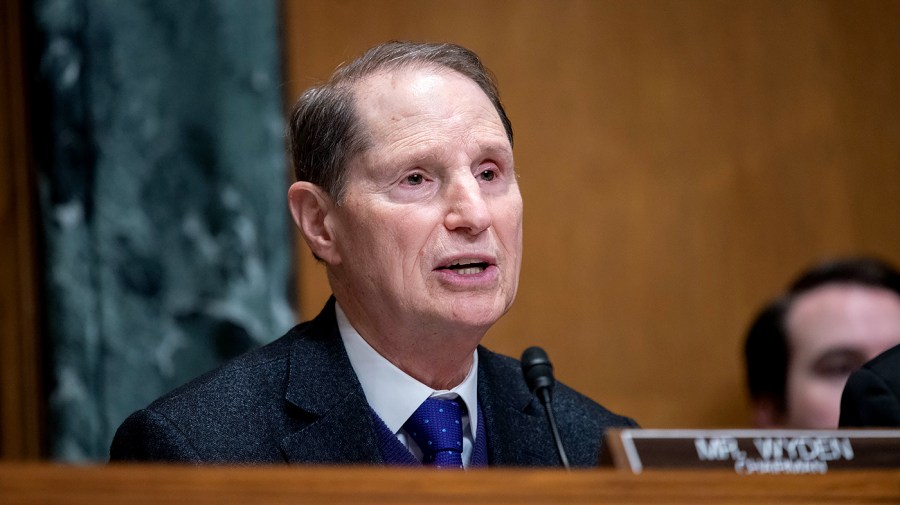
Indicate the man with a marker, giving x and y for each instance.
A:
(407, 193)
(803, 346)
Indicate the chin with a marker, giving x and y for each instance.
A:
(479, 315)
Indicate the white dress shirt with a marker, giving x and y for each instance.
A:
(394, 395)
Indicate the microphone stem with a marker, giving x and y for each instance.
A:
(548, 408)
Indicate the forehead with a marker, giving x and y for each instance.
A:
(862, 318)
(414, 102)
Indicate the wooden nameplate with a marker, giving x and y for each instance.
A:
(752, 451)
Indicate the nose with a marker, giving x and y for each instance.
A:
(467, 209)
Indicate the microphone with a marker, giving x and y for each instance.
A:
(538, 372)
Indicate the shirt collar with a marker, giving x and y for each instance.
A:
(393, 394)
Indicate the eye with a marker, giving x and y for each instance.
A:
(838, 365)
(488, 175)
(414, 179)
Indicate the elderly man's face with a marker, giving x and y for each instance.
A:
(429, 232)
(832, 331)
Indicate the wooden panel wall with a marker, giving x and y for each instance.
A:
(20, 394)
(679, 161)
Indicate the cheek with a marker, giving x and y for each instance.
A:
(371, 224)
(509, 223)
(813, 401)
(366, 245)
(402, 238)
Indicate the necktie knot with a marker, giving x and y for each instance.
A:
(436, 427)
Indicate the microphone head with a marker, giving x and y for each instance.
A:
(537, 369)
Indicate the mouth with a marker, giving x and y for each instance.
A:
(466, 266)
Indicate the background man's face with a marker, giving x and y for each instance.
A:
(833, 330)
(430, 230)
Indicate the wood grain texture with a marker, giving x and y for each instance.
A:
(679, 162)
(20, 392)
(56, 484)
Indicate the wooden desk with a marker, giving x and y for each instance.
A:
(47, 484)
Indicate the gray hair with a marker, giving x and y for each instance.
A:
(325, 132)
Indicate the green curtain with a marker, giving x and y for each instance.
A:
(158, 133)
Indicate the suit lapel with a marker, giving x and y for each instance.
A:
(516, 426)
(335, 424)
(323, 393)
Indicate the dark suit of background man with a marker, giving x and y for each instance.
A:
(407, 193)
(872, 395)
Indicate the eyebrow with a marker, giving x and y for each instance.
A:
(841, 353)
(490, 150)
(498, 150)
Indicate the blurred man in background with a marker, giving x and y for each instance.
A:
(803, 345)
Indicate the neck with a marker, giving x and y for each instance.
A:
(436, 375)
(440, 361)
(439, 358)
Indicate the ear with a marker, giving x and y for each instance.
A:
(310, 208)
(766, 413)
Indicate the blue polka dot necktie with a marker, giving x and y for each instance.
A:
(436, 427)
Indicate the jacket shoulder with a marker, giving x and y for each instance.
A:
(567, 401)
(233, 413)
(581, 420)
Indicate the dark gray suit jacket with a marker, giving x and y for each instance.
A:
(297, 400)
(872, 395)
